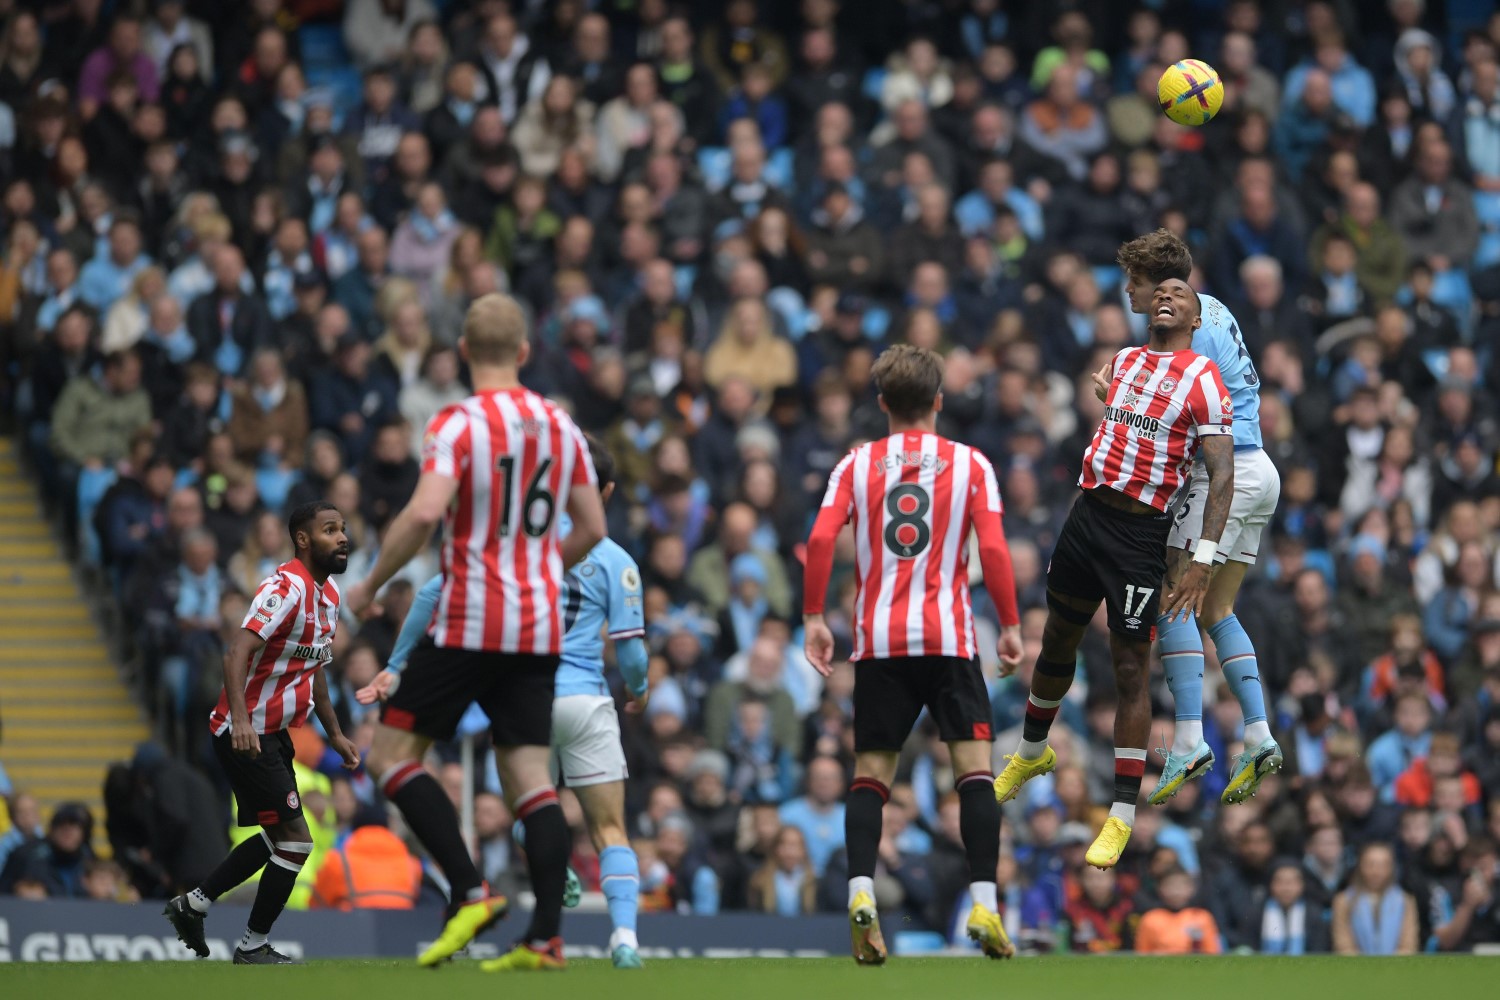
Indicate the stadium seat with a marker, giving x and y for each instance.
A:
(1108, 277)
(917, 943)
(345, 83)
(788, 304)
(273, 485)
(322, 47)
(683, 276)
(1450, 289)
(874, 83)
(713, 164)
(778, 172)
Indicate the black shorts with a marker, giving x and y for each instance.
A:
(513, 689)
(889, 695)
(264, 786)
(1115, 556)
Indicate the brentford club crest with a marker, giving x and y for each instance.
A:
(1168, 385)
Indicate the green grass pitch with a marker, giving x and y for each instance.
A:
(1088, 978)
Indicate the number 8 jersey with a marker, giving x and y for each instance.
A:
(515, 456)
(913, 499)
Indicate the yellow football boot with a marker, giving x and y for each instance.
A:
(471, 920)
(864, 930)
(986, 928)
(1109, 845)
(1019, 770)
(525, 958)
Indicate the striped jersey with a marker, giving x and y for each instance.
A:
(515, 457)
(1160, 404)
(297, 620)
(913, 498)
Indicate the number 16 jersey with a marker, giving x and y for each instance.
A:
(913, 498)
(515, 457)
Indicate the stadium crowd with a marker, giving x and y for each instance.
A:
(239, 239)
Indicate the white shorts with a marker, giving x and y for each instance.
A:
(1257, 488)
(586, 740)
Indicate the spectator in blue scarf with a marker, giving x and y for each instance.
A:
(1289, 924)
(1374, 916)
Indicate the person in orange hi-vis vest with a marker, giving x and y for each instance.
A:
(1176, 928)
(370, 870)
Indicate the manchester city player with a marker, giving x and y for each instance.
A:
(1148, 261)
(604, 597)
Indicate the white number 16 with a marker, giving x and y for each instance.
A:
(1131, 590)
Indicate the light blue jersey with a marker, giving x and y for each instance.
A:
(602, 594)
(1219, 340)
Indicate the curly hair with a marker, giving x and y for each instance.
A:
(1156, 257)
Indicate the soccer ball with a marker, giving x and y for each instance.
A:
(1190, 92)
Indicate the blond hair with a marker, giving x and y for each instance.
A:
(494, 330)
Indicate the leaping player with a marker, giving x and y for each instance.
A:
(1165, 403)
(1149, 260)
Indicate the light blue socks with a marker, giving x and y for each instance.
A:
(1182, 658)
(620, 878)
(1242, 674)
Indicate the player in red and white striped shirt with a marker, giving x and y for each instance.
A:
(1164, 403)
(497, 469)
(1158, 406)
(913, 498)
(273, 675)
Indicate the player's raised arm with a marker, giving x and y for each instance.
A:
(985, 511)
(1215, 418)
(445, 452)
(409, 533)
(838, 505)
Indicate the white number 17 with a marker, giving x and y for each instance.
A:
(1131, 590)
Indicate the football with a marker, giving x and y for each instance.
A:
(1190, 92)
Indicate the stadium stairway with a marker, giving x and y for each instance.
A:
(65, 711)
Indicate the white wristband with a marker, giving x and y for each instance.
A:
(1206, 551)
